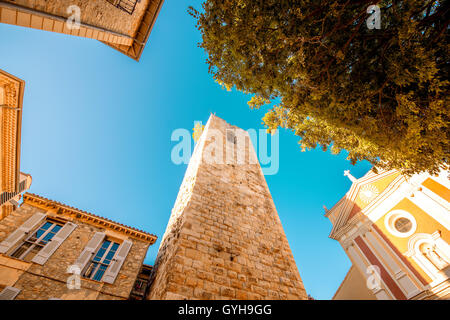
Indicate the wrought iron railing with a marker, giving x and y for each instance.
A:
(6, 196)
(126, 5)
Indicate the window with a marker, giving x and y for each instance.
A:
(403, 225)
(140, 286)
(9, 293)
(97, 266)
(400, 223)
(231, 137)
(37, 240)
(126, 5)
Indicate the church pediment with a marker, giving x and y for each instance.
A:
(362, 193)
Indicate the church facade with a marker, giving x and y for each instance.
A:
(396, 232)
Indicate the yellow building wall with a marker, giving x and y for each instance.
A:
(425, 224)
(380, 185)
(354, 287)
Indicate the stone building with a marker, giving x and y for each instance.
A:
(124, 25)
(224, 239)
(395, 230)
(49, 250)
(12, 181)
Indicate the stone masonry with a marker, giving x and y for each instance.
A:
(224, 239)
(49, 281)
(93, 12)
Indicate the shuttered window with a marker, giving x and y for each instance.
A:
(9, 293)
(103, 258)
(37, 240)
(101, 261)
(57, 239)
(21, 232)
(117, 262)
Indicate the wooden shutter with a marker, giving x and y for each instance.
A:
(89, 250)
(54, 243)
(116, 263)
(21, 232)
(9, 293)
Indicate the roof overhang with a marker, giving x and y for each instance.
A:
(143, 32)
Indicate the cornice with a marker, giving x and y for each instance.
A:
(86, 217)
(342, 221)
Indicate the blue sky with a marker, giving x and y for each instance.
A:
(97, 125)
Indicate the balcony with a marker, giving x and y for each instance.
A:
(24, 184)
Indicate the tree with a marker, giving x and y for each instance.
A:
(333, 79)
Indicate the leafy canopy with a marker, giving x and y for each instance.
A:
(381, 94)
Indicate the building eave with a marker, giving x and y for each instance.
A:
(143, 32)
(60, 208)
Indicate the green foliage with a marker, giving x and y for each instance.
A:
(380, 94)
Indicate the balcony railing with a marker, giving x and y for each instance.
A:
(126, 5)
(6, 196)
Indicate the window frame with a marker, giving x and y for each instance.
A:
(37, 242)
(393, 216)
(127, 6)
(101, 262)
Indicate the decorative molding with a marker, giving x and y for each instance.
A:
(391, 217)
(86, 217)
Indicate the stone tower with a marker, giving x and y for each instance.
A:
(224, 239)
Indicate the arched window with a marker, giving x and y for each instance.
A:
(431, 253)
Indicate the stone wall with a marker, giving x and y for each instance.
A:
(99, 13)
(50, 280)
(224, 239)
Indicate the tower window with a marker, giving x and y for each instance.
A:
(231, 137)
(403, 225)
(126, 5)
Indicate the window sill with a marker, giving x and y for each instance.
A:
(14, 262)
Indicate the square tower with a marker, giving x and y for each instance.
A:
(224, 239)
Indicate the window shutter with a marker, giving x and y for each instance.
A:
(9, 293)
(89, 250)
(21, 232)
(116, 263)
(54, 243)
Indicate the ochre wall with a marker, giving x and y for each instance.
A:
(99, 13)
(425, 224)
(353, 287)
